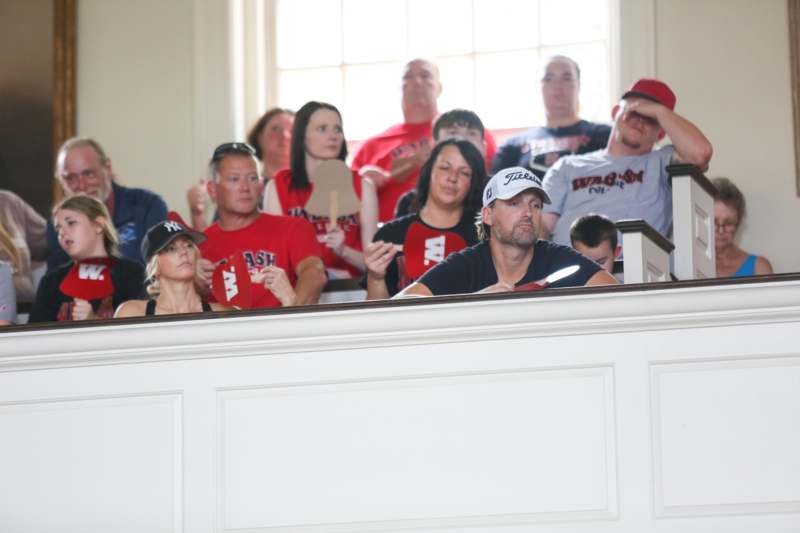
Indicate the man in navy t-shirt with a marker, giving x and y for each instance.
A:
(565, 133)
(510, 253)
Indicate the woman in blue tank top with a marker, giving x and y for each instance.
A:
(729, 210)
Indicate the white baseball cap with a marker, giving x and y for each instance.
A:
(511, 181)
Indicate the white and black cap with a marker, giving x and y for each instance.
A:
(163, 233)
(511, 181)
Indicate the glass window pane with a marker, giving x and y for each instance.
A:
(507, 89)
(561, 26)
(374, 30)
(296, 87)
(506, 24)
(439, 27)
(595, 100)
(308, 41)
(458, 83)
(372, 101)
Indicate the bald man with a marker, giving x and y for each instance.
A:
(393, 159)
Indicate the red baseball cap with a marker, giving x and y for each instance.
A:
(654, 90)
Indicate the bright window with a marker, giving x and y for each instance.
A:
(351, 52)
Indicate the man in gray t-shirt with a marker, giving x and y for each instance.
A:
(627, 179)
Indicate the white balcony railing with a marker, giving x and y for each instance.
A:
(581, 410)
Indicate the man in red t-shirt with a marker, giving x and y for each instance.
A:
(281, 250)
(392, 159)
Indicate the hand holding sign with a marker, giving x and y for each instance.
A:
(425, 247)
(89, 279)
(333, 194)
(82, 310)
(230, 283)
(277, 282)
(334, 239)
(552, 278)
(377, 257)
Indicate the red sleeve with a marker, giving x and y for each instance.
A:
(491, 148)
(282, 180)
(302, 241)
(361, 158)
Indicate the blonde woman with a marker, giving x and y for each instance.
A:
(85, 231)
(23, 241)
(172, 255)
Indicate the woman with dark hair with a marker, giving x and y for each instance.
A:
(171, 252)
(85, 232)
(270, 136)
(729, 211)
(449, 192)
(317, 136)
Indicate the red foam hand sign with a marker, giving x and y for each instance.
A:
(532, 286)
(425, 247)
(175, 217)
(89, 279)
(230, 283)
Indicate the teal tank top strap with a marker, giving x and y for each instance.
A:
(748, 267)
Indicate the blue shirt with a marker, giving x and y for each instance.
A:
(135, 211)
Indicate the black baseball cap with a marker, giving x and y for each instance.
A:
(163, 233)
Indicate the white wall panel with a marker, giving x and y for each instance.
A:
(485, 448)
(595, 412)
(726, 436)
(91, 465)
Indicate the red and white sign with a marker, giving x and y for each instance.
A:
(230, 283)
(425, 247)
(89, 279)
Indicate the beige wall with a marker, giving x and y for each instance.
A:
(153, 86)
(728, 62)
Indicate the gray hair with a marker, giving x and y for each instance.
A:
(212, 171)
(77, 142)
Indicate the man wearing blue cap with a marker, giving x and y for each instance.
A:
(510, 253)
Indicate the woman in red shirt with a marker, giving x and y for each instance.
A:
(317, 136)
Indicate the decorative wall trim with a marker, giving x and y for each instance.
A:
(605, 374)
(658, 370)
(793, 7)
(63, 78)
(171, 400)
(414, 322)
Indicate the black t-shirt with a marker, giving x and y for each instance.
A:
(472, 269)
(395, 231)
(51, 304)
(540, 147)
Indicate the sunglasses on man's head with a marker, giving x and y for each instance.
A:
(232, 148)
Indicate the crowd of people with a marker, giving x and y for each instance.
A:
(440, 209)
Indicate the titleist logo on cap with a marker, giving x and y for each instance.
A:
(520, 175)
(510, 182)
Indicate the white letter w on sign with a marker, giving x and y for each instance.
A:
(93, 272)
(434, 250)
(231, 290)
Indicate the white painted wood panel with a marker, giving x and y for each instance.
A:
(485, 448)
(91, 464)
(512, 414)
(726, 436)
